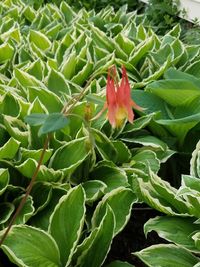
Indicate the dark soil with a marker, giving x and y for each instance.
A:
(132, 238)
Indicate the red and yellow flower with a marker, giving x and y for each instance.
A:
(118, 99)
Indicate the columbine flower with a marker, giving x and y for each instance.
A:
(119, 102)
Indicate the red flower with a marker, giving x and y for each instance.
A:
(119, 102)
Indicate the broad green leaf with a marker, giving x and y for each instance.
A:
(6, 52)
(93, 250)
(196, 238)
(141, 50)
(38, 248)
(75, 152)
(125, 43)
(9, 149)
(35, 154)
(148, 158)
(28, 167)
(67, 11)
(42, 218)
(26, 80)
(93, 190)
(167, 255)
(172, 73)
(57, 83)
(104, 146)
(27, 210)
(10, 105)
(4, 180)
(39, 39)
(149, 141)
(193, 69)
(180, 126)
(138, 124)
(190, 192)
(194, 164)
(123, 153)
(36, 69)
(17, 129)
(69, 64)
(81, 77)
(109, 174)
(41, 194)
(120, 200)
(159, 196)
(53, 122)
(175, 91)
(174, 229)
(67, 221)
(151, 103)
(29, 13)
(101, 40)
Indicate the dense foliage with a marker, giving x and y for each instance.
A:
(93, 175)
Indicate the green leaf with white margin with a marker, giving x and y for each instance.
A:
(67, 221)
(69, 64)
(149, 141)
(195, 161)
(4, 180)
(196, 238)
(138, 124)
(169, 194)
(38, 248)
(94, 189)
(27, 210)
(190, 192)
(141, 50)
(10, 104)
(81, 77)
(6, 52)
(17, 129)
(123, 153)
(75, 152)
(35, 154)
(147, 193)
(149, 159)
(120, 200)
(104, 146)
(174, 229)
(28, 167)
(41, 219)
(109, 174)
(9, 149)
(49, 99)
(119, 264)
(6, 209)
(57, 83)
(94, 249)
(167, 255)
(41, 194)
(26, 80)
(39, 39)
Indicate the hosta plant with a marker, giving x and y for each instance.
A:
(53, 68)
